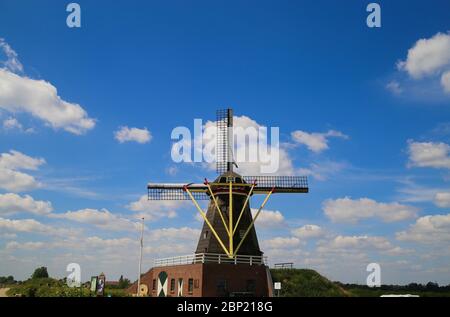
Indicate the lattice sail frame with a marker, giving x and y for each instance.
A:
(176, 192)
(224, 140)
(264, 184)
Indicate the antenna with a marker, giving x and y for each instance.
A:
(140, 259)
(224, 141)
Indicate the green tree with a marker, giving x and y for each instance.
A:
(124, 282)
(432, 286)
(7, 279)
(40, 272)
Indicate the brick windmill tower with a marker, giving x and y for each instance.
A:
(228, 260)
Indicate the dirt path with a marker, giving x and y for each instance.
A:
(3, 292)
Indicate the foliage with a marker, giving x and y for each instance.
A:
(430, 289)
(305, 283)
(7, 280)
(45, 287)
(113, 292)
(124, 282)
(48, 287)
(40, 272)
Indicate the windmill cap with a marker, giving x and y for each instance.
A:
(229, 174)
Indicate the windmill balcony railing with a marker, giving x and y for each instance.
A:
(211, 258)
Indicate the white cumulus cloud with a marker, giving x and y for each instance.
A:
(97, 242)
(11, 176)
(12, 123)
(355, 244)
(268, 218)
(428, 154)
(308, 232)
(171, 234)
(351, 211)
(17, 160)
(316, 142)
(442, 199)
(251, 158)
(102, 219)
(281, 243)
(445, 81)
(13, 203)
(153, 210)
(429, 57)
(428, 229)
(126, 134)
(12, 59)
(40, 99)
(32, 226)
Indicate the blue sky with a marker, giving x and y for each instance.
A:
(310, 67)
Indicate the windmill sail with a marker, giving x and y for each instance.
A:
(280, 184)
(224, 141)
(176, 191)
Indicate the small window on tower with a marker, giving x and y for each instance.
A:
(205, 234)
(241, 233)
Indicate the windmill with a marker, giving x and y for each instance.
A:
(228, 222)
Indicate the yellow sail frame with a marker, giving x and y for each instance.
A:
(230, 251)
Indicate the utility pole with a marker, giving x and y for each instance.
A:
(140, 259)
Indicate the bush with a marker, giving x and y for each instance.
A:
(7, 280)
(123, 282)
(305, 283)
(48, 287)
(40, 272)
